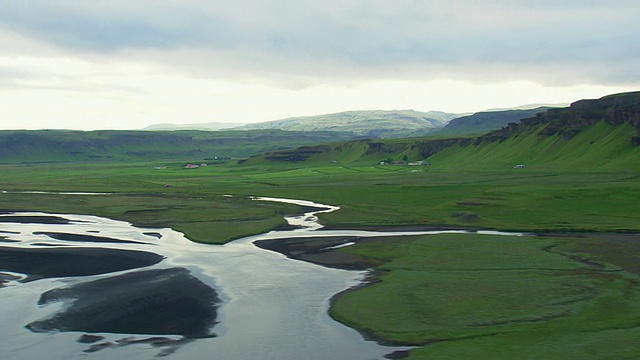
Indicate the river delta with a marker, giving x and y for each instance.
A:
(76, 285)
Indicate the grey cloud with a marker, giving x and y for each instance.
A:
(587, 40)
(97, 29)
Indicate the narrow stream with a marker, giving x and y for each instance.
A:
(266, 305)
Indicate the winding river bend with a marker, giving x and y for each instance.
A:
(90, 294)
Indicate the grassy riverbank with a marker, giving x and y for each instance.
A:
(195, 199)
(190, 201)
(472, 296)
(496, 297)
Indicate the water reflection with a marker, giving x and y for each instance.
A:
(270, 307)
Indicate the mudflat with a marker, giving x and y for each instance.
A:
(72, 261)
(319, 250)
(154, 302)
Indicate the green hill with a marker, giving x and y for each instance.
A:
(486, 121)
(375, 123)
(210, 126)
(590, 134)
(600, 146)
(73, 146)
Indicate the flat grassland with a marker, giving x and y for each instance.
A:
(570, 292)
(497, 297)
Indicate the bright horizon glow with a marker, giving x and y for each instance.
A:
(86, 73)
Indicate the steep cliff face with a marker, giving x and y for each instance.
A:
(618, 109)
(486, 121)
(567, 122)
(590, 134)
(609, 128)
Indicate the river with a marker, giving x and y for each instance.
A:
(265, 305)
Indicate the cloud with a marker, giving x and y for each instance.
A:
(302, 42)
(202, 60)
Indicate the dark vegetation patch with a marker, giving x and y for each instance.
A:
(472, 203)
(466, 216)
(619, 249)
(299, 154)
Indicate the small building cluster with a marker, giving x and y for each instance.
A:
(419, 163)
(194, 166)
(393, 162)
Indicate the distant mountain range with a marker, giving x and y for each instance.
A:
(486, 121)
(368, 123)
(372, 123)
(595, 134)
(380, 123)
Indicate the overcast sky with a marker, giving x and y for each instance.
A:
(128, 64)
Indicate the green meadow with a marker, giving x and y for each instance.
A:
(562, 294)
(216, 196)
(496, 297)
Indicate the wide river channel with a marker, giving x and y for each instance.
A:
(265, 305)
